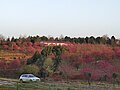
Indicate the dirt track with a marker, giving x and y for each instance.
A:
(6, 82)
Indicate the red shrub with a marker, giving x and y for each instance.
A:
(14, 64)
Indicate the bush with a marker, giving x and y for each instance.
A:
(33, 69)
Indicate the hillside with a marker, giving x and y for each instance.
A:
(10, 55)
(62, 59)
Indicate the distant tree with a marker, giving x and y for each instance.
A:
(81, 40)
(104, 39)
(56, 39)
(75, 40)
(51, 38)
(12, 39)
(92, 40)
(109, 41)
(67, 38)
(8, 39)
(44, 38)
(113, 41)
(87, 40)
(32, 40)
(37, 39)
(98, 40)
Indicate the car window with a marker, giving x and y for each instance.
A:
(31, 76)
(24, 75)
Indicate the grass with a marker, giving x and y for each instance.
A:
(39, 86)
(52, 85)
(9, 79)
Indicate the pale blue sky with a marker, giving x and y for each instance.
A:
(55, 17)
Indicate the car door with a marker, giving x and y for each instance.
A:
(26, 78)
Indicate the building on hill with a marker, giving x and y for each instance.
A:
(54, 43)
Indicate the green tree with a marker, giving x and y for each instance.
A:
(98, 40)
(87, 40)
(40, 61)
(57, 61)
(57, 51)
(44, 38)
(46, 51)
(92, 40)
(104, 39)
(113, 41)
(34, 58)
(67, 38)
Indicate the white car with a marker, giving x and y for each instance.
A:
(28, 77)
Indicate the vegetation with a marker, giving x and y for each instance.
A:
(56, 86)
(29, 69)
(90, 59)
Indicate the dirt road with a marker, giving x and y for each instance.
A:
(6, 82)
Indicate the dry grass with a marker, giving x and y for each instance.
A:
(8, 79)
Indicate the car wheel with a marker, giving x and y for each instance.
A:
(30, 80)
(21, 80)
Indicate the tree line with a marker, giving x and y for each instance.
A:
(82, 40)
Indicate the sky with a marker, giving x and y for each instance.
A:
(74, 18)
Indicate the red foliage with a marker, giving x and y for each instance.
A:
(22, 48)
(117, 52)
(6, 47)
(25, 44)
(37, 44)
(15, 47)
(103, 64)
(18, 43)
(30, 49)
(72, 48)
(67, 70)
(14, 64)
(88, 59)
(2, 64)
(29, 43)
